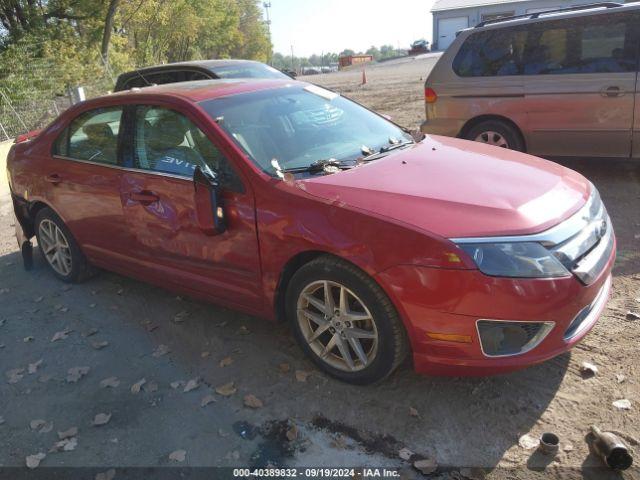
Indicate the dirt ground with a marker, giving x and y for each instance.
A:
(121, 328)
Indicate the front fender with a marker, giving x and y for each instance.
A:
(291, 222)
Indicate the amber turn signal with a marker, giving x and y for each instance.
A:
(450, 337)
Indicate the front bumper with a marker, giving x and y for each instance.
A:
(453, 301)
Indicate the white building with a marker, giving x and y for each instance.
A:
(451, 16)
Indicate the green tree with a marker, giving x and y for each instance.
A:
(374, 52)
(48, 45)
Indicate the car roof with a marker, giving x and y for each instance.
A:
(197, 91)
(207, 64)
(552, 14)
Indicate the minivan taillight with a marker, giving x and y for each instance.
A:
(430, 95)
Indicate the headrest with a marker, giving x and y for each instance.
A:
(168, 132)
(98, 133)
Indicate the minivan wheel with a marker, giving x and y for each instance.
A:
(496, 133)
(59, 248)
(344, 321)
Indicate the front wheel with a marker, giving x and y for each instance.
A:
(344, 321)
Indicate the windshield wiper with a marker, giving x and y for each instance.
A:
(395, 146)
(389, 148)
(330, 165)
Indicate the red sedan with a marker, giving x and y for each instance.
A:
(288, 201)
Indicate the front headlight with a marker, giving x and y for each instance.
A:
(517, 259)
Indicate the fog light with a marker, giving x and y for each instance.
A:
(501, 339)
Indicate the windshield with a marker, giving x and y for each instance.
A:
(247, 70)
(298, 125)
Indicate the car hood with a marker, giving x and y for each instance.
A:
(455, 188)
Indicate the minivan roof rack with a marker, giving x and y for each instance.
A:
(575, 8)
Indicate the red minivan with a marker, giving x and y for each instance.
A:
(288, 201)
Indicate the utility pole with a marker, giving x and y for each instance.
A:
(267, 7)
(292, 65)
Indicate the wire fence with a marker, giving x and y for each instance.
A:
(34, 91)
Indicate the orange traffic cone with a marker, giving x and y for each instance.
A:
(364, 77)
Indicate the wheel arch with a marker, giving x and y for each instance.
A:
(290, 268)
(492, 117)
(26, 213)
(302, 258)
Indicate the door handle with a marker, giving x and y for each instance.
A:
(144, 197)
(612, 91)
(54, 178)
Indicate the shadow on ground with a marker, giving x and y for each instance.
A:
(461, 421)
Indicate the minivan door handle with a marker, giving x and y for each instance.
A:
(54, 178)
(612, 91)
(144, 197)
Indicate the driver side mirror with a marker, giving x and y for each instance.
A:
(208, 203)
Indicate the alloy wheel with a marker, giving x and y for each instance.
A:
(337, 325)
(492, 138)
(55, 247)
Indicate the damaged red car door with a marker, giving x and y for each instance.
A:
(159, 209)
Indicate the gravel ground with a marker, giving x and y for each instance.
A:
(122, 328)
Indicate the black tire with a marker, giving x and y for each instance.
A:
(392, 346)
(80, 269)
(509, 133)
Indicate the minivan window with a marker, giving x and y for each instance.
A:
(492, 53)
(592, 44)
(596, 44)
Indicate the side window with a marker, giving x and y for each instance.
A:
(168, 142)
(593, 44)
(92, 136)
(158, 78)
(607, 48)
(491, 53)
(136, 82)
(162, 78)
(192, 76)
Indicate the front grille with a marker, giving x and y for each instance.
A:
(586, 252)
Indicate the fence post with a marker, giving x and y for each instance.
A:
(76, 95)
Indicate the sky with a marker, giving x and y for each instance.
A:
(314, 26)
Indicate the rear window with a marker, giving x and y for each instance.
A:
(593, 44)
(160, 78)
(92, 136)
(247, 70)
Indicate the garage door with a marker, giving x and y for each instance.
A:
(447, 29)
